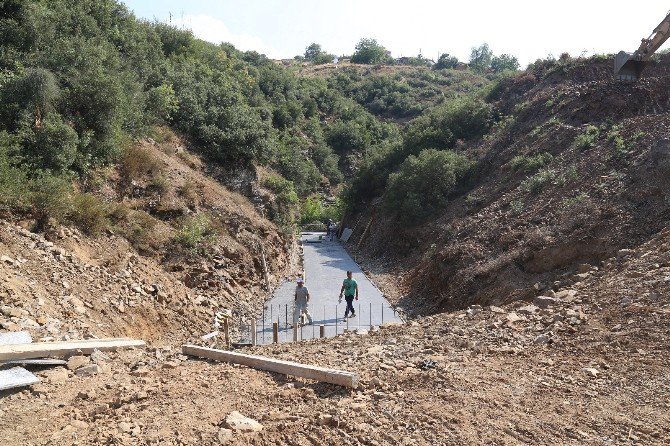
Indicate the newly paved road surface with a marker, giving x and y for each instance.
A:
(326, 263)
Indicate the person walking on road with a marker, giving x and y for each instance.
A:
(300, 307)
(350, 290)
(331, 230)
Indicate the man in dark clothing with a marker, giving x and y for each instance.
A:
(350, 290)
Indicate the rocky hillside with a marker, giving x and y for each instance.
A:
(575, 170)
(179, 247)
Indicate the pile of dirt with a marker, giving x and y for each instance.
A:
(585, 364)
(515, 232)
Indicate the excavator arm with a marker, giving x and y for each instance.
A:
(629, 66)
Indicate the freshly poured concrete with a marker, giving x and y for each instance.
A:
(326, 263)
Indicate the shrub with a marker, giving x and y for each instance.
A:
(137, 163)
(423, 184)
(569, 202)
(333, 211)
(516, 207)
(531, 163)
(311, 210)
(12, 178)
(539, 181)
(160, 184)
(286, 201)
(188, 191)
(53, 145)
(536, 183)
(138, 228)
(588, 138)
(89, 213)
(442, 126)
(195, 233)
(50, 198)
(162, 102)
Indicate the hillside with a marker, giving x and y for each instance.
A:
(168, 261)
(574, 171)
(397, 92)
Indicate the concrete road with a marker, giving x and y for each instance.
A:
(326, 263)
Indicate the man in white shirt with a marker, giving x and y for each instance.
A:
(301, 303)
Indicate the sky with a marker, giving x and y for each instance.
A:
(527, 29)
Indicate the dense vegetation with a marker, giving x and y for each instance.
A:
(80, 81)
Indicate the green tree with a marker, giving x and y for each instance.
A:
(504, 62)
(424, 183)
(441, 127)
(368, 51)
(446, 61)
(36, 90)
(311, 210)
(313, 51)
(162, 102)
(480, 58)
(52, 145)
(317, 56)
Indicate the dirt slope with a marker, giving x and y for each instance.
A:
(515, 228)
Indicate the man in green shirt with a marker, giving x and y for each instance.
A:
(350, 290)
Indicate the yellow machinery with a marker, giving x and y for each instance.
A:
(628, 67)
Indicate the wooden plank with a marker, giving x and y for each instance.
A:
(15, 337)
(42, 349)
(333, 376)
(16, 377)
(226, 332)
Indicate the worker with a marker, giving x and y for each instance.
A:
(350, 290)
(331, 230)
(300, 309)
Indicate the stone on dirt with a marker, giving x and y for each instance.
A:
(88, 370)
(544, 301)
(590, 371)
(528, 309)
(238, 422)
(225, 436)
(74, 362)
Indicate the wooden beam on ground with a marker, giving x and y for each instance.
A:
(322, 374)
(62, 348)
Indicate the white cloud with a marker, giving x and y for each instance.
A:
(214, 30)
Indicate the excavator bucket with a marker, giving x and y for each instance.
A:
(627, 67)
